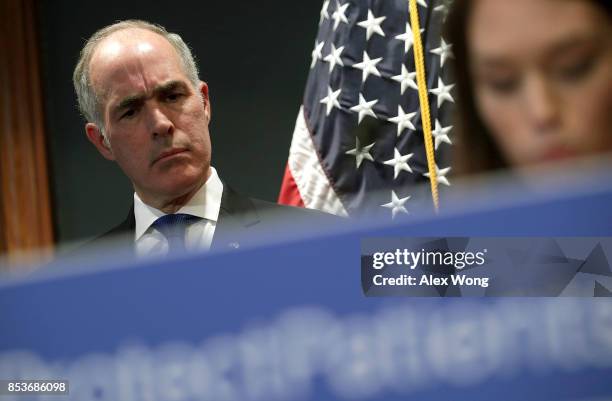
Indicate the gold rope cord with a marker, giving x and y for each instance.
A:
(425, 114)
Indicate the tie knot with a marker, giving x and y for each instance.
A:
(174, 220)
(173, 227)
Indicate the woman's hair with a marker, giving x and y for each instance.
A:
(475, 151)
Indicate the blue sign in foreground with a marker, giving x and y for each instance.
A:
(289, 321)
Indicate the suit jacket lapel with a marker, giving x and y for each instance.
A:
(236, 215)
(126, 228)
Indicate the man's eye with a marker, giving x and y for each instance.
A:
(128, 114)
(173, 97)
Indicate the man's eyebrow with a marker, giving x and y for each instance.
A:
(129, 101)
(133, 100)
(169, 87)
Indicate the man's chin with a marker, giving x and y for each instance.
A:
(180, 186)
(173, 184)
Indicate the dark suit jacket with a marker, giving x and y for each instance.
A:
(241, 218)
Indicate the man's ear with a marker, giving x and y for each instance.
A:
(95, 136)
(206, 99)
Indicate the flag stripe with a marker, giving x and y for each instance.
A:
(289, 193)
(305, 168)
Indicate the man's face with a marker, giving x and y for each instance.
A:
(155, 120)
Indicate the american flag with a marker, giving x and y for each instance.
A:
(358, 145)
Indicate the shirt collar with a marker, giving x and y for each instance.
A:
(205, 203)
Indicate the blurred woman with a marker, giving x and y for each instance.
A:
(534, 81)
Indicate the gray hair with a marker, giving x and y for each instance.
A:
(89, 101)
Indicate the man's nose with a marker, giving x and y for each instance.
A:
(541, 105)
(159, 123)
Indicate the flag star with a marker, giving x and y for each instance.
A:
(403, 120)
(339, 14)
(372, 25)
(331, 100)
(441, 8)
(396, 205)
(406, 79)
(316, 53)
(368, 66)
(440, 134)
(407, 38)
(444, 51)
(361, 153)
(364, 108)
(441, 175)
(324, 13)
(422, 3)
(333, 57)
(399, 163)
(443, 92)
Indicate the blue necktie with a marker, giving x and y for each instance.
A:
(173, 227)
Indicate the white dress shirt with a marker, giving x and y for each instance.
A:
(204, 204)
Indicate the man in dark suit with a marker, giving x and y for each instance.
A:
(146, 109)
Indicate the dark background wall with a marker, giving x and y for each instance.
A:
(254, 57)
